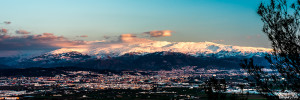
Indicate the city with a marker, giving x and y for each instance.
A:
(146, 82)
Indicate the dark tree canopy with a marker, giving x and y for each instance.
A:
(281, 25)
(215, 88)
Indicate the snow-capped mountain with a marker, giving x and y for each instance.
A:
(151, 55)
(114, 49)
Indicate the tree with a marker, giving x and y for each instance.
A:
(215, 88)
(281, 25)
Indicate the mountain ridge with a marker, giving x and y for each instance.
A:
(103, 49)
(154, 55)
(151, 61)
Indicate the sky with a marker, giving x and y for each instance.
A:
(232, 22)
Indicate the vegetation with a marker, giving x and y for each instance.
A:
(281, 25)
(215, 88)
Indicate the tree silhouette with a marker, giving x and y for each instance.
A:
(281, 25)
(215, 88)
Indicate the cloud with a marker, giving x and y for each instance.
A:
(161, 33)
(127, 37)
(7, 22)
(22, 32)
(106, 37)
(131, 38)
(82, 36)
(36, 42)
(11, 44)
(3, 30)
(50, 41)
(4, 36)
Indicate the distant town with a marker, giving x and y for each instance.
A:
(184, 83)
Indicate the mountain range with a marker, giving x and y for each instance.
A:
(151, 55)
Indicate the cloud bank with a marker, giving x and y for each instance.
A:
(22, 40)
(35, 42)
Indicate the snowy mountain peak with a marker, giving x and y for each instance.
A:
(103, 49)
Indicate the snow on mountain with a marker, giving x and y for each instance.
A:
(102, 49)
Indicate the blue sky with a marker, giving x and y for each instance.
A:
(235, 22)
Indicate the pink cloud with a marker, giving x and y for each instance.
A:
(31, 42)
(131, 38)
(161, 33)
(83, 36)
(22, 32)
(3, 30)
